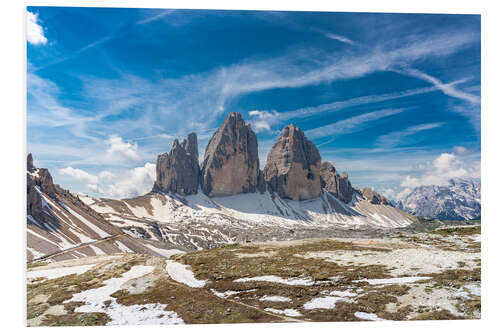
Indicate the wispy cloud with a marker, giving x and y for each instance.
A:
(448, 89)
(396, 138)
(156, 17)
(350, 125)
(334, 36)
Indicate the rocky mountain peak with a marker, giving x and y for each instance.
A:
(190, 144)
(178, 171)
(375, 198)
(30, 166)
(231, 161)
(293, 166)
(339, 186)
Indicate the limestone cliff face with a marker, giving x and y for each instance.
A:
(178, 171)
(231, 161)
(293, 166)
(338, 185)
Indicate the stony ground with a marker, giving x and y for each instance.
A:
(423, 275)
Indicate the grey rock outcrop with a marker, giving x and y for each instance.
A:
(375, 198)
(231, 161)
(30, 167)
(293, 166)
(38, 180)
(178, 171)
(338, 185)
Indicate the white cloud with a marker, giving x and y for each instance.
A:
(106, 175)
(137, 181)
(116, 144)
(443, 168)
(460, 150)
(263, 120)
(34, 31)
(122, 184)
(79, 175)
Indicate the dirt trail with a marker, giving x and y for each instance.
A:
(105, 239)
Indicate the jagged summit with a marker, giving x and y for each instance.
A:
(375, 198)
(231, 161)
(293, 166)
(331, 181)
(30, 167)
(178, 171)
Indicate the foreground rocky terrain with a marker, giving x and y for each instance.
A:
(429, 275)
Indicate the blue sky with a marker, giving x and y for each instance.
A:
(391, 99)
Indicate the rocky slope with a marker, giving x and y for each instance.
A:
(293, 166)
(59, 224)
(199, 221)
(459, 200)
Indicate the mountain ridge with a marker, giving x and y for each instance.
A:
(460, 199)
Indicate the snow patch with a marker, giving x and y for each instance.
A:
(143, 314)
(97, 250)
(286, 312)
(181, 273)
(367, 316)
(400, 280)
(266, 298)
(277, 279)
(224, 294)
(327, 302)
(55, 273)
(164, 252)
(123, 247)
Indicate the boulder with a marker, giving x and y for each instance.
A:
(231, 161)
(178, 171)
(293, 166)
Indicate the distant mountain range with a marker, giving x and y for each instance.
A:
(460, 199)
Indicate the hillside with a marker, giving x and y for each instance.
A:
(198, 221)
(61, 226)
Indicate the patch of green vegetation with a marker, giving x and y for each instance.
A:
(462, 231)
(437, 315)
(456, 277)
(34, 311)
(196, 306)
(77, 319)
(36, 264)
